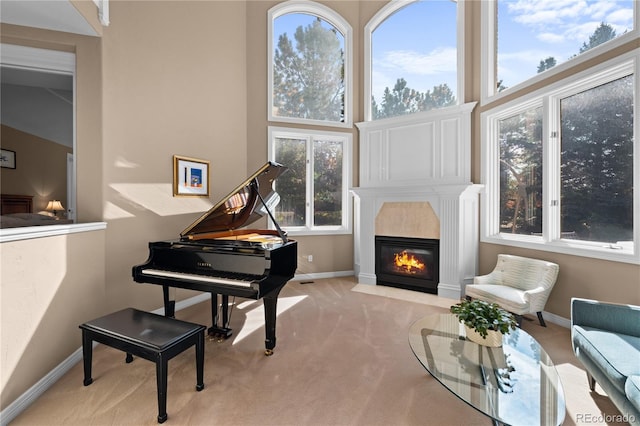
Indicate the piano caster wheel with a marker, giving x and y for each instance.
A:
(216, 338)
(268, 352)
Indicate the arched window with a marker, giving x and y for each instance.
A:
(309, 65)
(413, 57)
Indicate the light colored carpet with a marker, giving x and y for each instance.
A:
(342, 358)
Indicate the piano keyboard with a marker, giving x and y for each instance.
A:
(196, 277)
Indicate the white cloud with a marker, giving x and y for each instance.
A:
(545, 12)
(518, 66)
(620, 17)
(551, 38)
(599, 10)
(440, 60)
(569, 19)
(380, 81)
(422, 71)
(582, 32)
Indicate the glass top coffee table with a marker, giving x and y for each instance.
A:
(516, 384)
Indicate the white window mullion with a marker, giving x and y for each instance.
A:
(310, 185)
(636, 157)
(552, 173)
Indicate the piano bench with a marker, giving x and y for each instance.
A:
(152, 337)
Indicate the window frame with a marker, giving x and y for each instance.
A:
(549, 99)
(384, 13)
(53, 61)
(347, 172)
(489, 54)
(333, 18)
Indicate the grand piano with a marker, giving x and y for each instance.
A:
(215, 255)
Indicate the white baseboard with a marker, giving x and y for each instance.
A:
(24, 400)
(322, 275)
(556, 319)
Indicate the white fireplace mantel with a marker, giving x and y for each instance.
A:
(421, 158)
(457, 209)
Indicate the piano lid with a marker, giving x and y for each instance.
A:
(243, 205)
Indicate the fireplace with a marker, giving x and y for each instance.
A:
(406, 163)
(409, 263)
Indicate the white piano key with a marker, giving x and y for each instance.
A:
(196, 277)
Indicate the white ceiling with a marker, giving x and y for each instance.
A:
(34, 101)
(57, 15)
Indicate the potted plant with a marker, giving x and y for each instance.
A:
(485, 322)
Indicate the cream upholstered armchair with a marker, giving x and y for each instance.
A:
(518, 284)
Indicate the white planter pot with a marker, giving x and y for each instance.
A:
(493, 339)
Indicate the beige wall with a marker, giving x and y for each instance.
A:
(187, 78)
(174, 83)
(48, 286)
(41, 169)
(578, 277)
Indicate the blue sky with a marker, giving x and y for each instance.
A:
(418, 42)
(532, 30)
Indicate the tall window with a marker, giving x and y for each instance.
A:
(411, 58)
(309, 64)
(559, 167)
(520, 138)
(313, 192)
(596, 146)
(526, 38)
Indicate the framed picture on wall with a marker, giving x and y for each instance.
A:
(8, 159)
(190, 176)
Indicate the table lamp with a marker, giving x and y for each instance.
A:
(54, 206)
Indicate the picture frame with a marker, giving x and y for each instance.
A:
(7, 159)
(190, 176)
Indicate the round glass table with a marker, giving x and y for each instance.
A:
(515, 384)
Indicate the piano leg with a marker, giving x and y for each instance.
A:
(169, 305)
(270, 311)
(219, 326)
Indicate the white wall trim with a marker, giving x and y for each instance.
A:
(29, 232)
(36, 58)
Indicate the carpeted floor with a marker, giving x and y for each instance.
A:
(342, 358)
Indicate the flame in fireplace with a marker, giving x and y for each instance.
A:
(408, 263)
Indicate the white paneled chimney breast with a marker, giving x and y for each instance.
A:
(409, 161)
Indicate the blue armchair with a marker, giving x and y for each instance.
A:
(606, 339)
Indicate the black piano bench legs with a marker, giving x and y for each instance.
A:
(152, 337)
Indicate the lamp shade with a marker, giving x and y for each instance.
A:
(54, 205)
